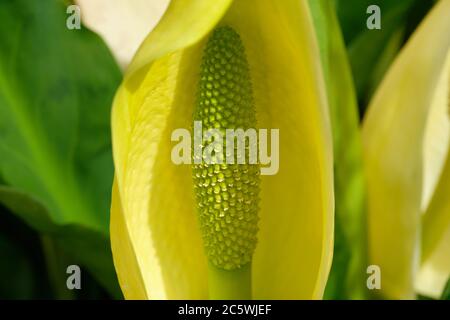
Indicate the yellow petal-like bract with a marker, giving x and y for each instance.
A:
(156, 241)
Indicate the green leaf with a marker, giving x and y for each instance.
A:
(21, 260)
(369, 46)
(353, 15)
(372, 51)
(85, 246)
(446, 292)
(347, 278)
(56, 89)
(16, 265)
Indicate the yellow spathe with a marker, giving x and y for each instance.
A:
(155, 236)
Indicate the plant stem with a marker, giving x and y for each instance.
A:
(230, 285)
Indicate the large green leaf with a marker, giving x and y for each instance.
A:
(17, 266)
(83, 245)
(56, 88)
(347, 278)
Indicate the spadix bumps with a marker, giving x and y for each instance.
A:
(227, 194)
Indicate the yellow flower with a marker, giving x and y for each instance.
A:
(156, 237)
(394, 136)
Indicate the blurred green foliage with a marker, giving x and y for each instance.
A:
(22, 264)
(348, 273)
(56, 89)
(446, 292)
(371, 52)
(354, 62)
